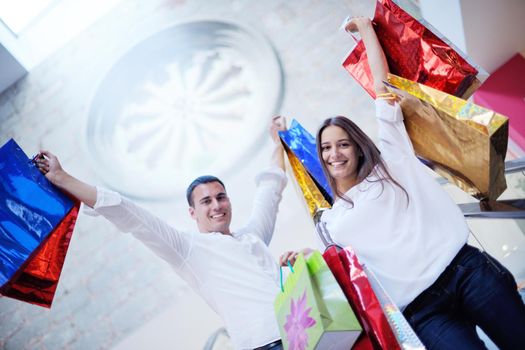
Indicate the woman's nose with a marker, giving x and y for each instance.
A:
(333, 152)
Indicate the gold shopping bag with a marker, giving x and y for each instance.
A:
(461, 141)
(313, 197)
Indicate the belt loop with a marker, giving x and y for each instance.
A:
(269, 346)
(485, 254)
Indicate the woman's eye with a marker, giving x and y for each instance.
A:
(325, 148)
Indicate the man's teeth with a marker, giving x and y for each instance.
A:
(217, 216)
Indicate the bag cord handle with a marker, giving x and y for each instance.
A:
(281, 273)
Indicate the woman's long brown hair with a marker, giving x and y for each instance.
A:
(369, 156)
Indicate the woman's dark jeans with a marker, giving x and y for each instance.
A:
(475, 289)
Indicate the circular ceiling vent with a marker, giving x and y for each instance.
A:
(190, 100)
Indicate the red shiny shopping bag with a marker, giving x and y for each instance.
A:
(36, 282)
(354, 283)
(413, 52)
(363, 343)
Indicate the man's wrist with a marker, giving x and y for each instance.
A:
(60, 179)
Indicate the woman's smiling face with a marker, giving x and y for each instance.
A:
(339, 153)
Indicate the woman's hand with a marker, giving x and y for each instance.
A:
(291, 256)
(355, 24)
(376, 57)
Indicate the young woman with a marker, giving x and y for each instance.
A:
(409, 232)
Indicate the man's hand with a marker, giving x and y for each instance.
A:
(291, 256)
(277, 124)
(49, 165)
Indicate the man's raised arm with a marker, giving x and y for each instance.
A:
(278, 124)
(49, 165)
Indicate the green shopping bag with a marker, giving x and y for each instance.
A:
(312, 311)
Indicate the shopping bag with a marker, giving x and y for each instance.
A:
(306, 168)
(403, 332)
(504, 92)
(36, 224)
(354, 283)
(303, 146)
(413, 52)
(312, 311)
(363, 343)
(461, 141)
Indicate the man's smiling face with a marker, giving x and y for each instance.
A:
(211, 208)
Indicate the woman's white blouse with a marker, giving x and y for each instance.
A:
(407, 244)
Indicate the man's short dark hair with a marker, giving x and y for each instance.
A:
(199, 181)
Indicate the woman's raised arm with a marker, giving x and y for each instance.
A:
(376, 56)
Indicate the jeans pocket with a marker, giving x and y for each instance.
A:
(500, 270)
(470, 260)
(433, 298)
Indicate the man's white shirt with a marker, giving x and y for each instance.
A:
(236, 275)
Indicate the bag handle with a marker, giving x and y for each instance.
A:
(484, 252)
(281, 273)
(357, 38)
(323, 234)
(477, 240)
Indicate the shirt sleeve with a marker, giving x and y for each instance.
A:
(168, 243)
(394, 142)
(270, 185)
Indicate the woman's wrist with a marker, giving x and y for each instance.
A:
(364, 23)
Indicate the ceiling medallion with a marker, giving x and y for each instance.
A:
(190, 100)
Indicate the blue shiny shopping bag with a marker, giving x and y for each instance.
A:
(302, 144)
(31, 208)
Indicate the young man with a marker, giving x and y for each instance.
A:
(233, 271)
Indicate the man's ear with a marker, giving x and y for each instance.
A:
(191, 210)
